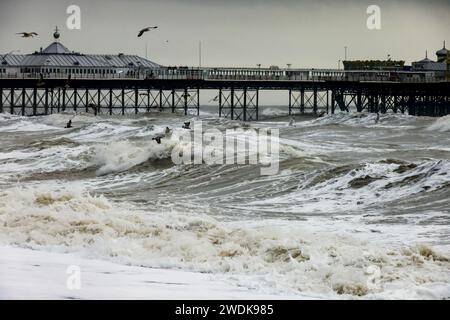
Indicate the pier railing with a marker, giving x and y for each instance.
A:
(237, 74)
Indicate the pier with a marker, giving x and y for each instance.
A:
(237, 94)
(56, 79)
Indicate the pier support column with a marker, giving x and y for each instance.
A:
(185, 101)
(302, 101)
(75, 99)
(290, 101)
(333, 101)
(123, 101)
(86, 101)
(110, 102)
(315, 101)
(395, 106)
(46, 101)
(173, 100)
(244, 106)
(370, 103)
(220, 102)
(98, 107)
(1, 100)
(64, 99)
(198, 101)
(328, 102)
(23, 101)
(148, 100)
(136, 100)
(359, 106)
(52, 100)
(34, 101)
(11, 109)
(232, 103)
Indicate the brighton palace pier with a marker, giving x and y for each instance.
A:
(56, 79)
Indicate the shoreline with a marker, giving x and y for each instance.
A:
(34, 274)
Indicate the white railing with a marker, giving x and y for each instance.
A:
(240, 74)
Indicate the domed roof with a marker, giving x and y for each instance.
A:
(443, 52)
(426, 60)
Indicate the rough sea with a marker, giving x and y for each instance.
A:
(360, 208)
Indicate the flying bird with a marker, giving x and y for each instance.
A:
(145, 30)
(28, 34)
(215, 99)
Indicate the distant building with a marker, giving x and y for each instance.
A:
(439, 67)
(443, 54)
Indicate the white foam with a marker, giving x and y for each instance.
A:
(362, 119)
(441, 125)
(273, 112)
(291, 256)
(118, 156)
(31, 274)
(26, 126)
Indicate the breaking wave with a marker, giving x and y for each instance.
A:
(306, 259)
(441, 125)
(364, 119)
(119, 156)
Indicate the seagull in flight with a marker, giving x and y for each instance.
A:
(145, 30)
(214, 99)
(28, 34)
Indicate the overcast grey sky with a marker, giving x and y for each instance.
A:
(305, 33)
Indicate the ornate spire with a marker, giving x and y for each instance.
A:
(56, 34)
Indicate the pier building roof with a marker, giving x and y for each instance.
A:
(58, 55)
(444, 52)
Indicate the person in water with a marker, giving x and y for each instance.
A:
(69, 124)
(157, 139)
(187, 125)
(292, 122)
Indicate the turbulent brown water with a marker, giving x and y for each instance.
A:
(358, 208)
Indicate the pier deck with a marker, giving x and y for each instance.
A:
(237, 94)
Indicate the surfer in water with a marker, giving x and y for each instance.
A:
(69, 124)
(292, 122)
(378, 118)
(187, 125)
(157, 139)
